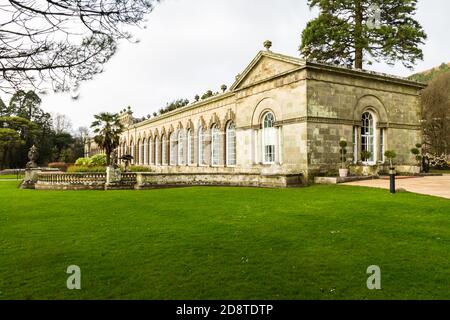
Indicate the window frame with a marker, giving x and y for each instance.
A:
(164, 160)
(181, 155)
(265, 127)
(190, 148)
(215, 146)
(201, 147)
(227, 144)
(370, 135)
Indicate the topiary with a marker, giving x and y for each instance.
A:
(390, 155)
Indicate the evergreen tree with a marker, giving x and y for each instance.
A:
(354, 32)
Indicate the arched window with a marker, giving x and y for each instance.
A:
(142, 156)
(157, 151)
(190, 147)
(215, 146)
(181, 141)
(164, 150)
(150, 151)
(231, 144)
(132, 153)
(201, 147)
(368, 137)
(269, 138)
(173, 145)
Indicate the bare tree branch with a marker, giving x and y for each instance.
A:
(58, 44)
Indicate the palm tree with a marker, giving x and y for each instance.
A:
(107, 128)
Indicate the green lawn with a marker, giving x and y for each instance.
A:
(223, 243)
(11, 176)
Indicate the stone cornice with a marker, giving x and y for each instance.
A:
(365, 74)
(338, 121)
(193, 106)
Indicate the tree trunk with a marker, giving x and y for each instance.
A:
(358, 35)
(108, 157)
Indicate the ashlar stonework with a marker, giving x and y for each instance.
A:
(283, 116)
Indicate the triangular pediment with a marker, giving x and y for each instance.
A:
(266, 65)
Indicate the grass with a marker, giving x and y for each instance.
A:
(12, 176)
(223, 243)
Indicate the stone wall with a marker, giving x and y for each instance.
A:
(97, 181)
(336, 102)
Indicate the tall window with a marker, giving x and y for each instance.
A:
(142, 152)
(150, 151)
(201, 147)
(157, 151)
(164, 150)
(231, 144)
(132, 153)
(382, 145)
(190, 147)
(215, 146)
(181, 141)
(269, 138)
(355, 144)
(368, 136)
(173, 145)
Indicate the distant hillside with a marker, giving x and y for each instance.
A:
(427, 76)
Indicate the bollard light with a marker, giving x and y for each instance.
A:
(392, 174)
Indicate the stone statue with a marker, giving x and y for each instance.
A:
(33, 155)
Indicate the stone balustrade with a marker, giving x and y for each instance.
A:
(71, 181)
(149, 180)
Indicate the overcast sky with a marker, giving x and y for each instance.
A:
(191, 46)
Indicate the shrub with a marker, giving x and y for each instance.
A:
(79, 169)
(438, 162)
(138, 169)
(390, 155)
(59, 165)
(365, 155)
(83, 162)
(98, 160)
(343, 152)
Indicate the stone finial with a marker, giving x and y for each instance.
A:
(224, 88)
(268, 45)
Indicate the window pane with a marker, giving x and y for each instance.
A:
(231, 145)
(181, 147)
(164, 150)
(367, 135)
(269, 138)
(215, 146)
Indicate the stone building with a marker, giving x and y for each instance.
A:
(284, 116)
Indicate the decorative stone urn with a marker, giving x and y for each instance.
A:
(343, 173)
